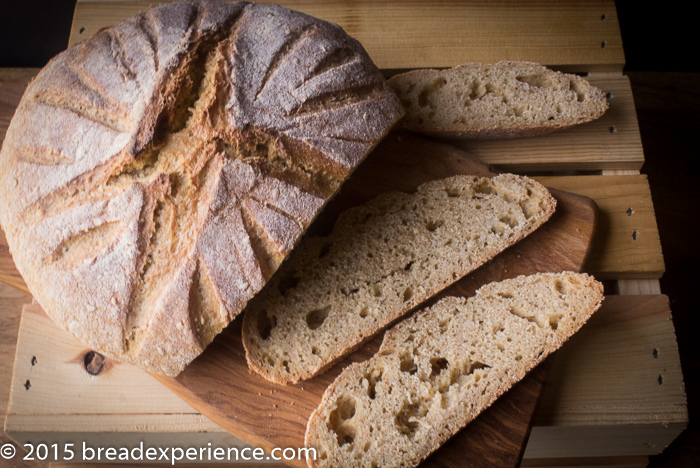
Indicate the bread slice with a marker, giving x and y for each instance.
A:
(503, 100)
(381, 260)
(436, 371)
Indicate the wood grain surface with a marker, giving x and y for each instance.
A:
(579, 36)
(220, 386)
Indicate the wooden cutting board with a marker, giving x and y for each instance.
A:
(220, 386)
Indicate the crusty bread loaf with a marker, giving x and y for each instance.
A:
(436, 371)
(381, 260)
(503, 100)
(155, 175)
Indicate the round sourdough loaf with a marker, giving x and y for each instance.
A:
(155, 175)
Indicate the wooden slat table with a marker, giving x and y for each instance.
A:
(615, 393)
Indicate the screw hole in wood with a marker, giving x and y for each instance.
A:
(612, 129)
(81, 30)
(635, 235)
(33, 361)
(27, 385)
(603, 44)
(94, 362)
(661, 379)
(608, 95)
(629, 211)
(602, 17)
(656, 353)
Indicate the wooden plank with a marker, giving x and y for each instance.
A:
(12, 73)
(622, 369)
(608, 143)
(626, 244)
(11, 301)
(605, 378)
(580, 36)
(643, 286)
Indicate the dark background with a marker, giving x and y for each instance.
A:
(661, 49)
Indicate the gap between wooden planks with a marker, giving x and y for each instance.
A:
(606, 377)
(578, 36)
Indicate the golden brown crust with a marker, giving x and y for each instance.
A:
(155, 175)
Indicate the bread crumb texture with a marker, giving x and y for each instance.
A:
(155, 175)
(502, 100)
(381, 260)
(436, 371)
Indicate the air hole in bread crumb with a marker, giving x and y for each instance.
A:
(578, 88)
(528, 212)
(484, 187)
(539, 80)
(407, 294)
(423, 100)
(408, 266)
(517, 311)
(315, 318)
(315, 351)
(373, 379)
(364, 312)
(554, 321)
(266, 324)
(561, 288)
(407, 419)
(408, 364)
(477, 90)
(287, 282)
(338, 420)
(503, 295)
(437, 366)
(377, 290)
(324, 251)
(431, 226)
(452, 192)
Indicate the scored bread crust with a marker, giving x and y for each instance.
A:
(495, 101)
(381, 260)
(436, 371)
(155, 175)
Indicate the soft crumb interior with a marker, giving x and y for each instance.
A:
(436, 371)
(484, 96)
(381, 260)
